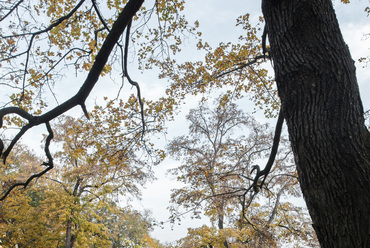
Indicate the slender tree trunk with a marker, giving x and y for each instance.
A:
(69, 238)
(317, 84)
(221, 218)
(220, 225)
(220, 221)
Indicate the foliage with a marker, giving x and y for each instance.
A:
(44, 40)
(234, 66)
(106, 154)
(217, 158)
(99, 224)
(98, 161)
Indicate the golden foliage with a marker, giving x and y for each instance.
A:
(97, 161)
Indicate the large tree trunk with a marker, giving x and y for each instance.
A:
(317, 84)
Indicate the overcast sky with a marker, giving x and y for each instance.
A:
(217, 23)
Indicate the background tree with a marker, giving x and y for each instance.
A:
(127, 227)
(20, 222)
(77, 199)
(217, 158)
(37, 217)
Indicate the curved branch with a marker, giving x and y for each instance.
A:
(18, 111)
(49, 164)
(270, 162)
(101, 59)
(128, 77)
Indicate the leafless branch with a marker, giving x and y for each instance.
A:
(128, 76)
(11, 10)
(270, 162)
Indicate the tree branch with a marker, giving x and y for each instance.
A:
(129, 78)
(117, 30)
(270, 162)
(11, 10)
(49, 165)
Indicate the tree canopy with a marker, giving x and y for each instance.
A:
(77, 203)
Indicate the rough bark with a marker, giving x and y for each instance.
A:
(317, 84)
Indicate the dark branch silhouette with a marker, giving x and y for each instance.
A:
(256, 184)
(49, 164)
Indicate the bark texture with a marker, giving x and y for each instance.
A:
(317, 84)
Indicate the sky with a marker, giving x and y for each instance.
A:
(217, 23)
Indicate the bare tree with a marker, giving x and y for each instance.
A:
(217, 157)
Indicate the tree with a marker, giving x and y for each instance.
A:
(20, 222)
(127, 227)
(93, 167)
(106, 159)
(317, 85)
(101, 224)
(217, 157)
